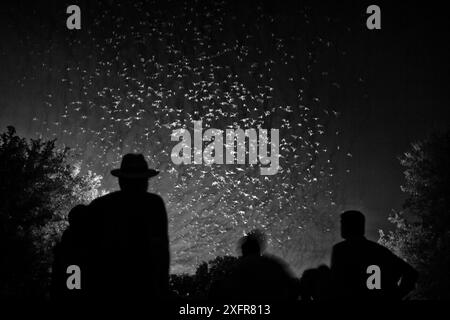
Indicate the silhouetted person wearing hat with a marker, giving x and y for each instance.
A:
(352, 260)
(129, 256)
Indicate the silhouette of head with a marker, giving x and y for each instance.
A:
(134, 173)
(352, 224)
(133, 185)
(253, 244)
(323, 269)
(76, 216)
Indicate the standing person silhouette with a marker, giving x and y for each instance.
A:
(129, 254)
(257, 276)
(69, 251)
(352, 257)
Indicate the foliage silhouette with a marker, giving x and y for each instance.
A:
(38, 187)
(207, 276)
(422, 235)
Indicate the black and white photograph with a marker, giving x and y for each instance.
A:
(223, 158)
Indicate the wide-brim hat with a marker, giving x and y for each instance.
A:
(134, 166)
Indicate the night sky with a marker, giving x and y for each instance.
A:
(381, 89)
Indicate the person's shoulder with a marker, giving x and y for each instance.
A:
(379, 250)
(277, 263)
(105, 198)
(376, 246)
(271, 258)
(340, 245)
(154, 197)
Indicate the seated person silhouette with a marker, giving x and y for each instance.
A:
(258, 276)
(69, 251)
(129, 243)
(352, 257)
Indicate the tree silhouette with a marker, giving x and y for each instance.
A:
(422, 234)
(37, 189)
(198, 286)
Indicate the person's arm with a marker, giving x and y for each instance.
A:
(162, 247)
(408, 277)
(336, 274)
(166, 247)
